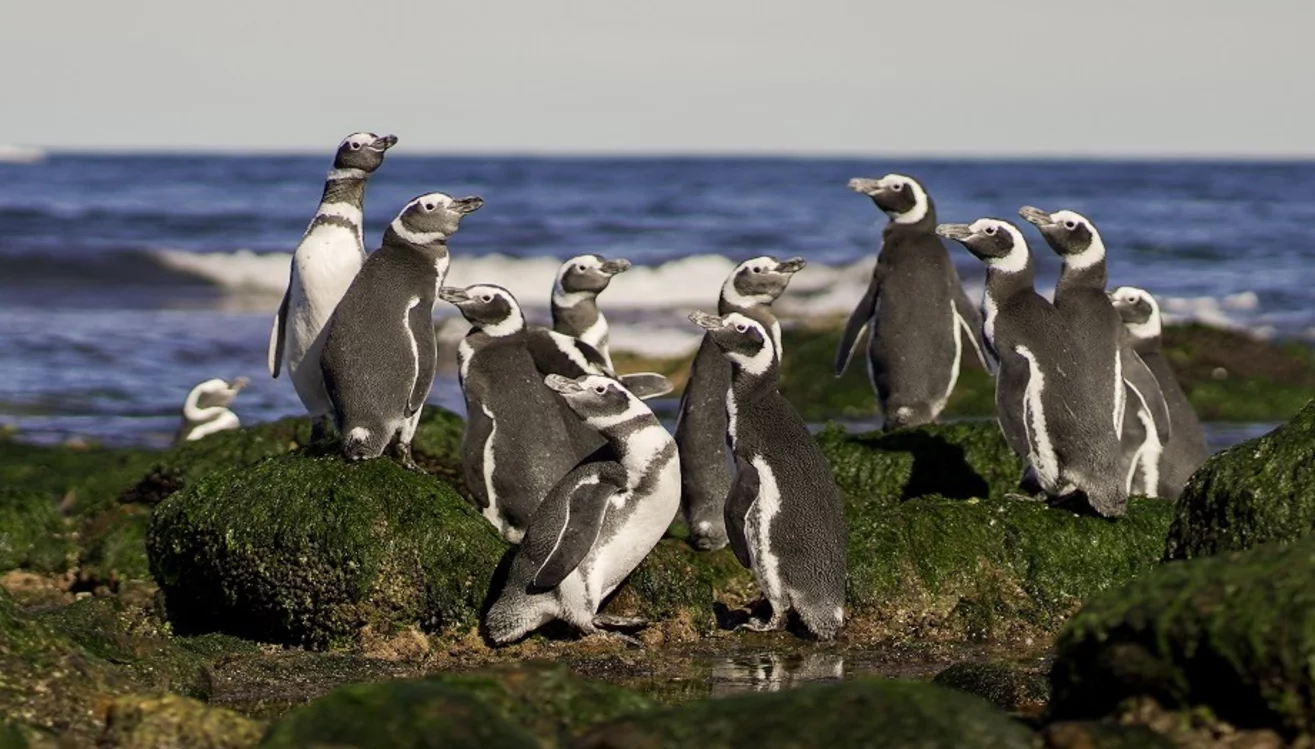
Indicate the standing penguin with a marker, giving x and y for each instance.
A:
(705, 473)
(575, 300)
(783, 515)
(1185, 450)
(205, 411)
(518, 443)
(379, 350)
(323, 266)
(1103, 354)
(598, 522)
(1045, 407)
(918, 316)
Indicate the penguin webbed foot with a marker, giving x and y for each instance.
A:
(402, 452)
(1019, 497)
(774, 624)
(318, 431)
(614, 622)
(629, 641)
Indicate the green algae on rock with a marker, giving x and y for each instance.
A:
(854, 713)
(309, 550)
(535, 706)
(436, 447)
(1008, 686)
(80, 479)
(1259, 491)
(676, 582)
(1234, 633)
(157, 722)
(33, 535)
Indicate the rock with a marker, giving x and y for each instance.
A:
(853, 713)
(33, 535)
(677, 585)
(1234, 633)
(80, 480)
(113, 544)
(310, 550)
(1008, 686)
(1230, 376)
(437, 447)
(1259, 491)
(1096, 735)
(533, 706)
(165, 722)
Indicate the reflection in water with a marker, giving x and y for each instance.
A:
(772, 672)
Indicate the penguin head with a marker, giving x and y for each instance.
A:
(363, 151)
(1069, 234)
(588, 275)
(491, 309)
(1139, 311)
(994, 241)
(759, 280)
(899, 196)
(742, 340)
(431, 218)
(596, 398)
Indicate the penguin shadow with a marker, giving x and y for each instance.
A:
(730, 619)
(939, 467)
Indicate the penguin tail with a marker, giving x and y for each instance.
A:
(513, 616)
(361, 443)
(825, 622)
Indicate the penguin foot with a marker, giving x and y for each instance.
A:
(775, 624)
(317, 431)
(612, 621)
(629, 640)
(403, 454)
(1026, 497)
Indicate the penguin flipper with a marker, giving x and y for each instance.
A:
(1009, 407)
(276, 334)
(646, 385)
(858, 320)
(421, 322)
(569, 526)
(744, 492)
(1140, 376)
(560, 354)
(970, 319)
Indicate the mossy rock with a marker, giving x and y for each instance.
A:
(854, 713)
(310, 549)
(1090, 734)
(113, 545)
(959, 461)
(184, 464)
(546, 706)
(437, 446)
(168, 721)
(1006, 685)
(1234, 633)
(1228, 375)
(80, 479)
(676, 582)
(33, 535)
(1259, 491)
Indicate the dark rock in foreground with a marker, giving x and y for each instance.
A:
(529, 706)
(1008, 686)
(156, 722)
(1234, 632)
(864, 712)
(1259, 491)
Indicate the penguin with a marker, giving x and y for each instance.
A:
(1104, 354)
(597, 523)
(1045, 407)
(918, 316)
(575, 300)
(206, 409)
(380, 353)
(783, 516)
(705, 465)
(518, 443)
(325, 262)
(1185, 450)
(571, 357)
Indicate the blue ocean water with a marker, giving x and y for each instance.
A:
(125, 280)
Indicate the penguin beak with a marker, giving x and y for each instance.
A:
(467, 205)
(1036, 216)
(957, 232)
(613, 267)
(384, 143)
(865, 185)
(563, 385)
(453, 295)
(706, 321)
(793, 265)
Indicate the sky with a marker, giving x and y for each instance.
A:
(823, 77)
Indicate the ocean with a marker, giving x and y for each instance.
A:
(125, 280)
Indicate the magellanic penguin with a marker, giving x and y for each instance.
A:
(598, 522)
(327, 259)
(918, 316)
(1103, 351)
(518, 442)
(1044, 412)
(1185, 450)
(575, 299)
(205, 411)
(783, 516)
(379, 351)
(705, 464)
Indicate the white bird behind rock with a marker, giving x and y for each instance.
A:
(206, 409)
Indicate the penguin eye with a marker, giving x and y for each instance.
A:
(356, 146)
(756, 269)
(742, 328)
(429, 206)
(600, 389)
(990, 230)
(1070, 224)
(581, 268)
(897, 187)
(487, 298)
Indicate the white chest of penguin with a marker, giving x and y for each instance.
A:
(326, 262)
